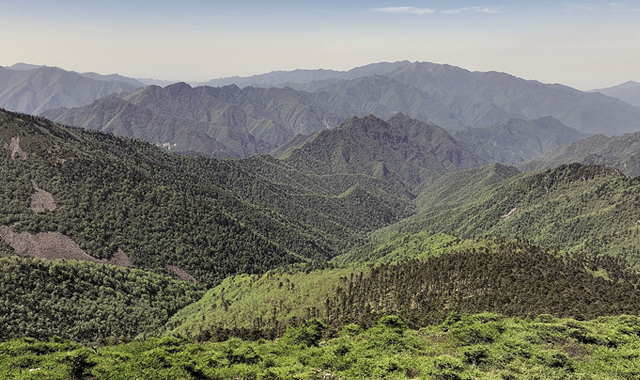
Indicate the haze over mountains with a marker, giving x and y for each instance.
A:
(517, 140)
(628, 92)
(238, 122)
(35, 89)
(350, 220)
(474, 98)
(622, 152)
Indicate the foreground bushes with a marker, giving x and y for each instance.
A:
(485, 345)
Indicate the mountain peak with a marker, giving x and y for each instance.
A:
(21, 66)
(178, 87)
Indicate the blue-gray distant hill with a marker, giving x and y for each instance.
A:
(466, 98)
(621, 152)
(34, 89)
(239, 121)
(205, 120)
(628, 92)
(517, 140)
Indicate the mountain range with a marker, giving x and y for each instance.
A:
(628, 92)
(327, 211)
(238, 122)
(621, 152)
(477, 98)
(245, 121)
(34, 89)
(517, 140)
(445, 95)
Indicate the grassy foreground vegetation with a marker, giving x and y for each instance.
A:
(477, 346)
(515, 278)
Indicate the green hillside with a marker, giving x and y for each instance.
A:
(577, 208)
(479, 346)
(86, 301)
(322, 256)
(422, 278)
(209, 217)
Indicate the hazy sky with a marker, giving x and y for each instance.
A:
(588, 44)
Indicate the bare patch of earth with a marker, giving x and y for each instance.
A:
(120, 258)
(14, 148)
(41, 200)
(181, 273)
(54, 245)
(508, 215)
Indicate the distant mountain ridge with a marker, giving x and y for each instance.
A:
(229, 120)
(473, 98)
(621, 152)
(628, 92)
(33, 89)
(516, 140)
(278, 78)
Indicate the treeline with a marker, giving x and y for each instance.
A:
(515, 278)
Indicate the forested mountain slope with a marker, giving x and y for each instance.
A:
(421, 277)
(578, 208)
(208, 217)
(85, 301)
(401, 150)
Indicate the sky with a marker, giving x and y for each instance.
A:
(583, 44)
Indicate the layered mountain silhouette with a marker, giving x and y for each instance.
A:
(628, 92)
(401, 150)
(370, 188)
(245, 121)
(238, 122)
(476, 98)
(34, 89)
(621, 152)
(517, 140)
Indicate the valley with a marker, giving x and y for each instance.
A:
(398, 220)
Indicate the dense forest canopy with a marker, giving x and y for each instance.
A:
(351, 234)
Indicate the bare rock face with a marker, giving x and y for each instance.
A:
(14, 148)
(44, 245)
(181, 273)
(41, 200)
(53, 246)
(120, 258)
